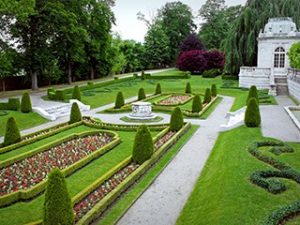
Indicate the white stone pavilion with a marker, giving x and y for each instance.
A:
(274, 43)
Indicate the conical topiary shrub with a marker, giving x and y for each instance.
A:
(26, 103)
(120, 102)
(176, 122)
(76, 93)
(75, 115)
(207, 96)
(12, 134)
(197, 104)
(143, 145)
(188, 88)
(214, 90)
(252, 115)
(141, 94)
(252, 94)
(57, 206)
(158, 89)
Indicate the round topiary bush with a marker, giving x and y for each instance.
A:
(252, 115)
(57, 205)
(120, 102)
(207, 96)
(176, 121)
(75, 115)
(143, 145)
(141, 94)
(252, 94)
(188, 88)
(158, 89)
(197, 104)
(214, 90)
(26, 103)
(12, 134)
(76, 93)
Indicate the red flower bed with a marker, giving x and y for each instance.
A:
(98, 194)
(31, 171)
(175, 100)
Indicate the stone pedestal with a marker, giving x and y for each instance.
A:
(142, 111)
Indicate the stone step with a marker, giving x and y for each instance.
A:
(281, 80)
(282, 90)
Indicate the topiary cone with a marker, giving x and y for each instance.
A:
(143, 145)
(158, 89)
(57, 206)
(26, 106)
(176, 121)
(214, 90)
(12, 134)
(141, 94)
(188, 88)
(207, 96)
(252, 94)
(252, 115)
(75, 115)
(76, 93)
(120, 102)
(197, 104)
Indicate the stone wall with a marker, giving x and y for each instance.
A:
(294, 83)
(260, 77)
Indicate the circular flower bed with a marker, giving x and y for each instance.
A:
(31, 171)
(82, 207)
(174, 100)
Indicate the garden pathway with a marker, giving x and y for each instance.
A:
(276, 123)
(163, 201)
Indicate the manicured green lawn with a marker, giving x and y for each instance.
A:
(223, 193)
(24, 120)
(25, 212)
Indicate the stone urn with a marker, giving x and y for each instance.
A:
(142, 111)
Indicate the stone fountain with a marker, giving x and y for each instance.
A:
(142, 111)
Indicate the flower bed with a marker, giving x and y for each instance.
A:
(31, 171)
(175, 100)
(88, 202)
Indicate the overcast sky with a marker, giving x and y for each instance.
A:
(129, 27)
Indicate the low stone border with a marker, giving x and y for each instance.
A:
(130, 120)
(292, 116)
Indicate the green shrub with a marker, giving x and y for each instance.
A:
(252, 94)
(76, 93)
(143, 145)
(57, 205)
(119, 100)
(214, 90)
(252, 115)
(143, 77)
(75, 114)
(176, 121)
(207, 96)
(60, 95)
(158, 89)
(212, 73)
(90, 84)
(141, 94)
(188, 88)
(14, 104)
(12, 134)
(26, 103)
(197, 104)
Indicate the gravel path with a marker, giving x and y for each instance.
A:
(164, 199)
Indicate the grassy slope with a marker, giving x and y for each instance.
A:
(24, 120)
(223, 193)
(22, 213)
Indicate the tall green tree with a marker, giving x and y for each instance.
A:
(294, 55)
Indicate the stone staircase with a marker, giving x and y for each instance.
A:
(281, 85)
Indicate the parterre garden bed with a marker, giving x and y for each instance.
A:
(94, 156)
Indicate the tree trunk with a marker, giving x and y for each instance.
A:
(34, 80)
(69, 73)
(3, 85)
(92, 73)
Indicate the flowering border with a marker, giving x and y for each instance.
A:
(158, 103)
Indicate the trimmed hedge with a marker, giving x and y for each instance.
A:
(213, 90)
(188, 88)
(141, 94)
(12, 104)
(57, 205)
(176, 121)
(197, 104)
(12, 133)
(143, 146)
(252, 94)
(158, 89)
(252, 115)
(26, 106)
(207, 96)
(212, 73)
(75, 115)
(76, 93)
(120, 102)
